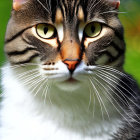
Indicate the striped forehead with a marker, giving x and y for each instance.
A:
(61, 18)
(69, 10)
(59, 15)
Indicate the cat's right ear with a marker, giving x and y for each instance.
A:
(17, 4)
(115, 3)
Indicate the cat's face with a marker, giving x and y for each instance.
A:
(68, 37)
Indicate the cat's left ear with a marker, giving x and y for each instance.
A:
(115, 3)
(17, 4)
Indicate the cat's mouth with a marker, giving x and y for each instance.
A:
(60, 73)
(69, 84)
(71, 80)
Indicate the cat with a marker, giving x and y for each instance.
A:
(64, 77)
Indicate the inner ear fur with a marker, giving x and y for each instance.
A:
(17, 4)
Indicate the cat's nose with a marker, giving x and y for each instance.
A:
(71, 64)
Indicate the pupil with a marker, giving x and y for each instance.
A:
(92, 29)
(45, 30)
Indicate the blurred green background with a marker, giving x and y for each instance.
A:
(130, 20)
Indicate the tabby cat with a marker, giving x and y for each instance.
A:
(64, 79)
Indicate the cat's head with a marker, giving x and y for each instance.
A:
(68, 37)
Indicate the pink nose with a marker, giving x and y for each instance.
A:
(71, 64)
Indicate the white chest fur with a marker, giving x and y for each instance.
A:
(26, 117)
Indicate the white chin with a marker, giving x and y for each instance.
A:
(69, 85)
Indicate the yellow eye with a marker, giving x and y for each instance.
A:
(45, 31)
(93, 29)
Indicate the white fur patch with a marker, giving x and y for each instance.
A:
(80, 33)
(64, 115)
(60, 32)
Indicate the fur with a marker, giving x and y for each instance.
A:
(26, 117)
(70, 86)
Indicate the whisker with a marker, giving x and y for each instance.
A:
(43, 6)
(94, 6)
(121, 107)
(119, 80)
(90, 100)
(90, 94)
(36, 84)
(115, 71)
(49, 5)
(30, 79)
(94, 103)
(23, 75)
(20, 65)
(20, 75)
(29, 76)
(106, 12)
(91, 5)
(114, 91)
(119, 90)
(49, 94)
(31, 82)
(103, 102)
(45, 92)
(110, 78)
(42, 84)
(134, 113)
(123, 102)
(96, 92)
(113, 103)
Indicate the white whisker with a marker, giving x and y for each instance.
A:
(42, 84)
(45, 92)
(35, 85)
(29, 80)
(110, 78)
(103, 103)
(20, 65)
(91, 5)
(113, 103)
(119, 97)
(97, 95)
(94, 103)
(119, 91)
(49, 94)
(115, 71)
(43, 6)
(118, 79)
(106, 12)
(90, 96)
(20, 75)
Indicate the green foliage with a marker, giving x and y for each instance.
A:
(5, 6)
(132, 64)
(130, 20)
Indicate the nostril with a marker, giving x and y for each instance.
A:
(71, 64)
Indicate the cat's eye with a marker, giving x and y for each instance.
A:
(45, 31)
(92, 29)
